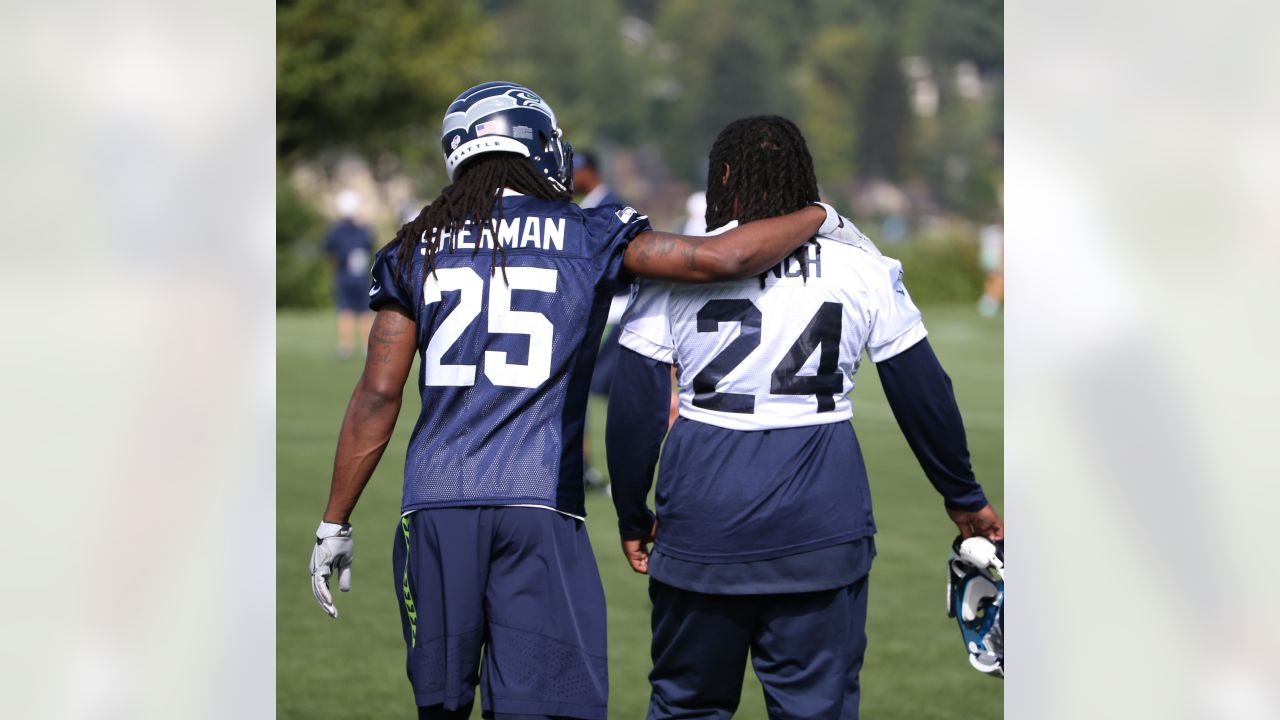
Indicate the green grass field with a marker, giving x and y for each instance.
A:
(354, 667)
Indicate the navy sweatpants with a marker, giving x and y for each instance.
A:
(512, 589)
(806, 648)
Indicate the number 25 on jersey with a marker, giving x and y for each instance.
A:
(502, 320)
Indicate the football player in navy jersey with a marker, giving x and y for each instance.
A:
(502, 285)
(762, 541)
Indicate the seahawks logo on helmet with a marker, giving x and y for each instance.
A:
(975, 598)
(506, 117)
(529, 99)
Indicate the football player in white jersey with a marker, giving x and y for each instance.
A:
(763, 533)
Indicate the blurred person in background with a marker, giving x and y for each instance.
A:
(501, 285)
(763, 538)
(350, 247)
(894, 228)
(695, 208)
(588, 182)
(407, 210)
(991, 258)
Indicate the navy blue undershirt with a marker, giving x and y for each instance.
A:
(923, 402)
(826, 568)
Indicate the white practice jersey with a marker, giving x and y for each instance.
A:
(781, 356)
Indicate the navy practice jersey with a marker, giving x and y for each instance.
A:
(506, 365)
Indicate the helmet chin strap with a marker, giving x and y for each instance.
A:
(558, 185)
(564, 180)
(567, 166)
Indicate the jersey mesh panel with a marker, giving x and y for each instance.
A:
(533, 661)
(488, 443)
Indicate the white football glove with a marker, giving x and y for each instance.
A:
(832, 222)
(334, 550)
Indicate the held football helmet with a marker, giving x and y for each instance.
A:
(505, 117)
(975, 598)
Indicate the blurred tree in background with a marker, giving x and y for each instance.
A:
(834, 79)
(885, 118)
(727, 60)
(573, 54)
(900, 101)
(373, 76)
(302, 280)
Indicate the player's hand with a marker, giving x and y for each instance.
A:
(985, 522)
(333, 551)
(637, 551)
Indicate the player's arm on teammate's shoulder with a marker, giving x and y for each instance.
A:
(742, 252)
(373, 409)
(923, 402)
(637, 422)
(366, 430)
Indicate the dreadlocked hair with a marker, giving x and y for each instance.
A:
(770, 174)
(473, 197)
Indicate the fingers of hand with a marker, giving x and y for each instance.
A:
(319, 559)
(990, 524)
(639, 563)
(320, 588)
(637, 555)
(323, 561)
(985, 522)
(344, 575)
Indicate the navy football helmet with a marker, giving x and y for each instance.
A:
(506, 117)
(975, 598)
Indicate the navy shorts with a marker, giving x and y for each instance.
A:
(512, 589)
(806, 648)
(352, 296)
